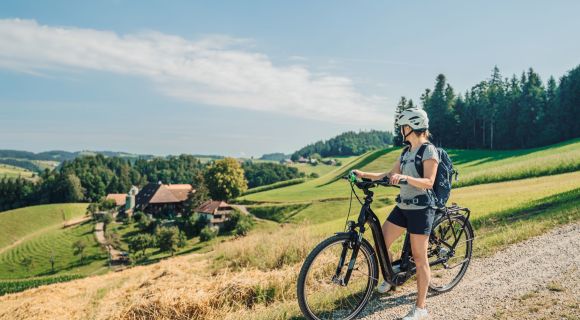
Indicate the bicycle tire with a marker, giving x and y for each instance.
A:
(365, 249)
(466, 226)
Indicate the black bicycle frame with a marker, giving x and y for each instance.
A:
(367, 216)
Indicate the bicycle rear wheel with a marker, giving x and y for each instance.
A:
(450, 248)
(321, 291)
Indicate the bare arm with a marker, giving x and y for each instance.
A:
(429, 174)
(379, 175)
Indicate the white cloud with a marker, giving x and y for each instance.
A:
(216, 70)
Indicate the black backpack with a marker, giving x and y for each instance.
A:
(444, 176)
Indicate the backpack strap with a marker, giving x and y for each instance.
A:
(405, 150)
(419, 158)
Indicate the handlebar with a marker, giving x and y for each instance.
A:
(365, 183)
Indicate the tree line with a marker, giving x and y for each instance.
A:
(502, 113)
(90, 178)
(349, 143)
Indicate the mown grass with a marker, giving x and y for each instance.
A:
(511, 200)
(278, 213)
(321, 169)
(494, 231)
(15, 172)
(328, 186)
(275, 185)
(57, 243)
(475, 167)
(254, 277)
(18, 223)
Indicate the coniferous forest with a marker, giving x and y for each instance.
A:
(502, 113)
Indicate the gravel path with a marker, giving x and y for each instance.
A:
(494, 280)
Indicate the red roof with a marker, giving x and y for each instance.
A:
(120, 198)
(171, 193)
(212, 206)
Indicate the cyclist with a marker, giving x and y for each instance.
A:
(415, 209)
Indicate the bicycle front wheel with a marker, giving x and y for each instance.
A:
(322, 293)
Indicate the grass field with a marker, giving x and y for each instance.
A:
(37, 232)
(475, 167)
(57, 243)
(513, 195)
(20, 223)
(254, 277)
(15, 172)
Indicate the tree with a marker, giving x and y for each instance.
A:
(193, 224)
(225, 179)
(568, 101)
(93, 208)
(439, 105)
(72, 191)
(26, 262)
(79, 249)
(244, 225)
(195, 199)
(141, 242)
(403, 104)
(107, 204)
(167, 239)
(208, 233)
(107, 218)
(52, 261)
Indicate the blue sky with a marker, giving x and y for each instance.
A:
(244, 78)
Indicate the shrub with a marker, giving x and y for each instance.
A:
(239, 223)
(208, 233)
(193, 224)
(141, 242)
(244, 226)
(138, 216)
(167, 238)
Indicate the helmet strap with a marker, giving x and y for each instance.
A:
(405, 136)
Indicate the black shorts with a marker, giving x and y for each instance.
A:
(419, 221)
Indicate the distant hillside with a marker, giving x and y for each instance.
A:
(347, 144)
(38, 162)
(276, 156)
(59, 155)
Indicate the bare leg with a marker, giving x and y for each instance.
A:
(391, 232)
(419, 245)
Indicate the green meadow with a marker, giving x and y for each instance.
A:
(37, 233)
(513, 195)
(475, 167)
(15, 172)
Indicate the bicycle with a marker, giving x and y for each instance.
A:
(337, 266)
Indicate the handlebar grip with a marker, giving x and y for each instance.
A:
(403, 181)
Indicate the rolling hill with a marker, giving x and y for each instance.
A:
(513, 195)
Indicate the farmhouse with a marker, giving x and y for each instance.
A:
(160, 199)
(217, 212)
(119, 198)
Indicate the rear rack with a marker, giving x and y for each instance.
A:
(455, 209)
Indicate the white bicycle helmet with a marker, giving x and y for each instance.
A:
(415, 118)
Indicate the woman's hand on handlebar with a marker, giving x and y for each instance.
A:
(358, 173)
(397, 178)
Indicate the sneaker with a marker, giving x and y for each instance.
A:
(385, 286)
(417, 313)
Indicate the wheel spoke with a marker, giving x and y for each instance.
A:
(325, 296)
(452, 246)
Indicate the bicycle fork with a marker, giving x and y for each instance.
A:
(354, 243)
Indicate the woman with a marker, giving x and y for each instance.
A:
(414, 211)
